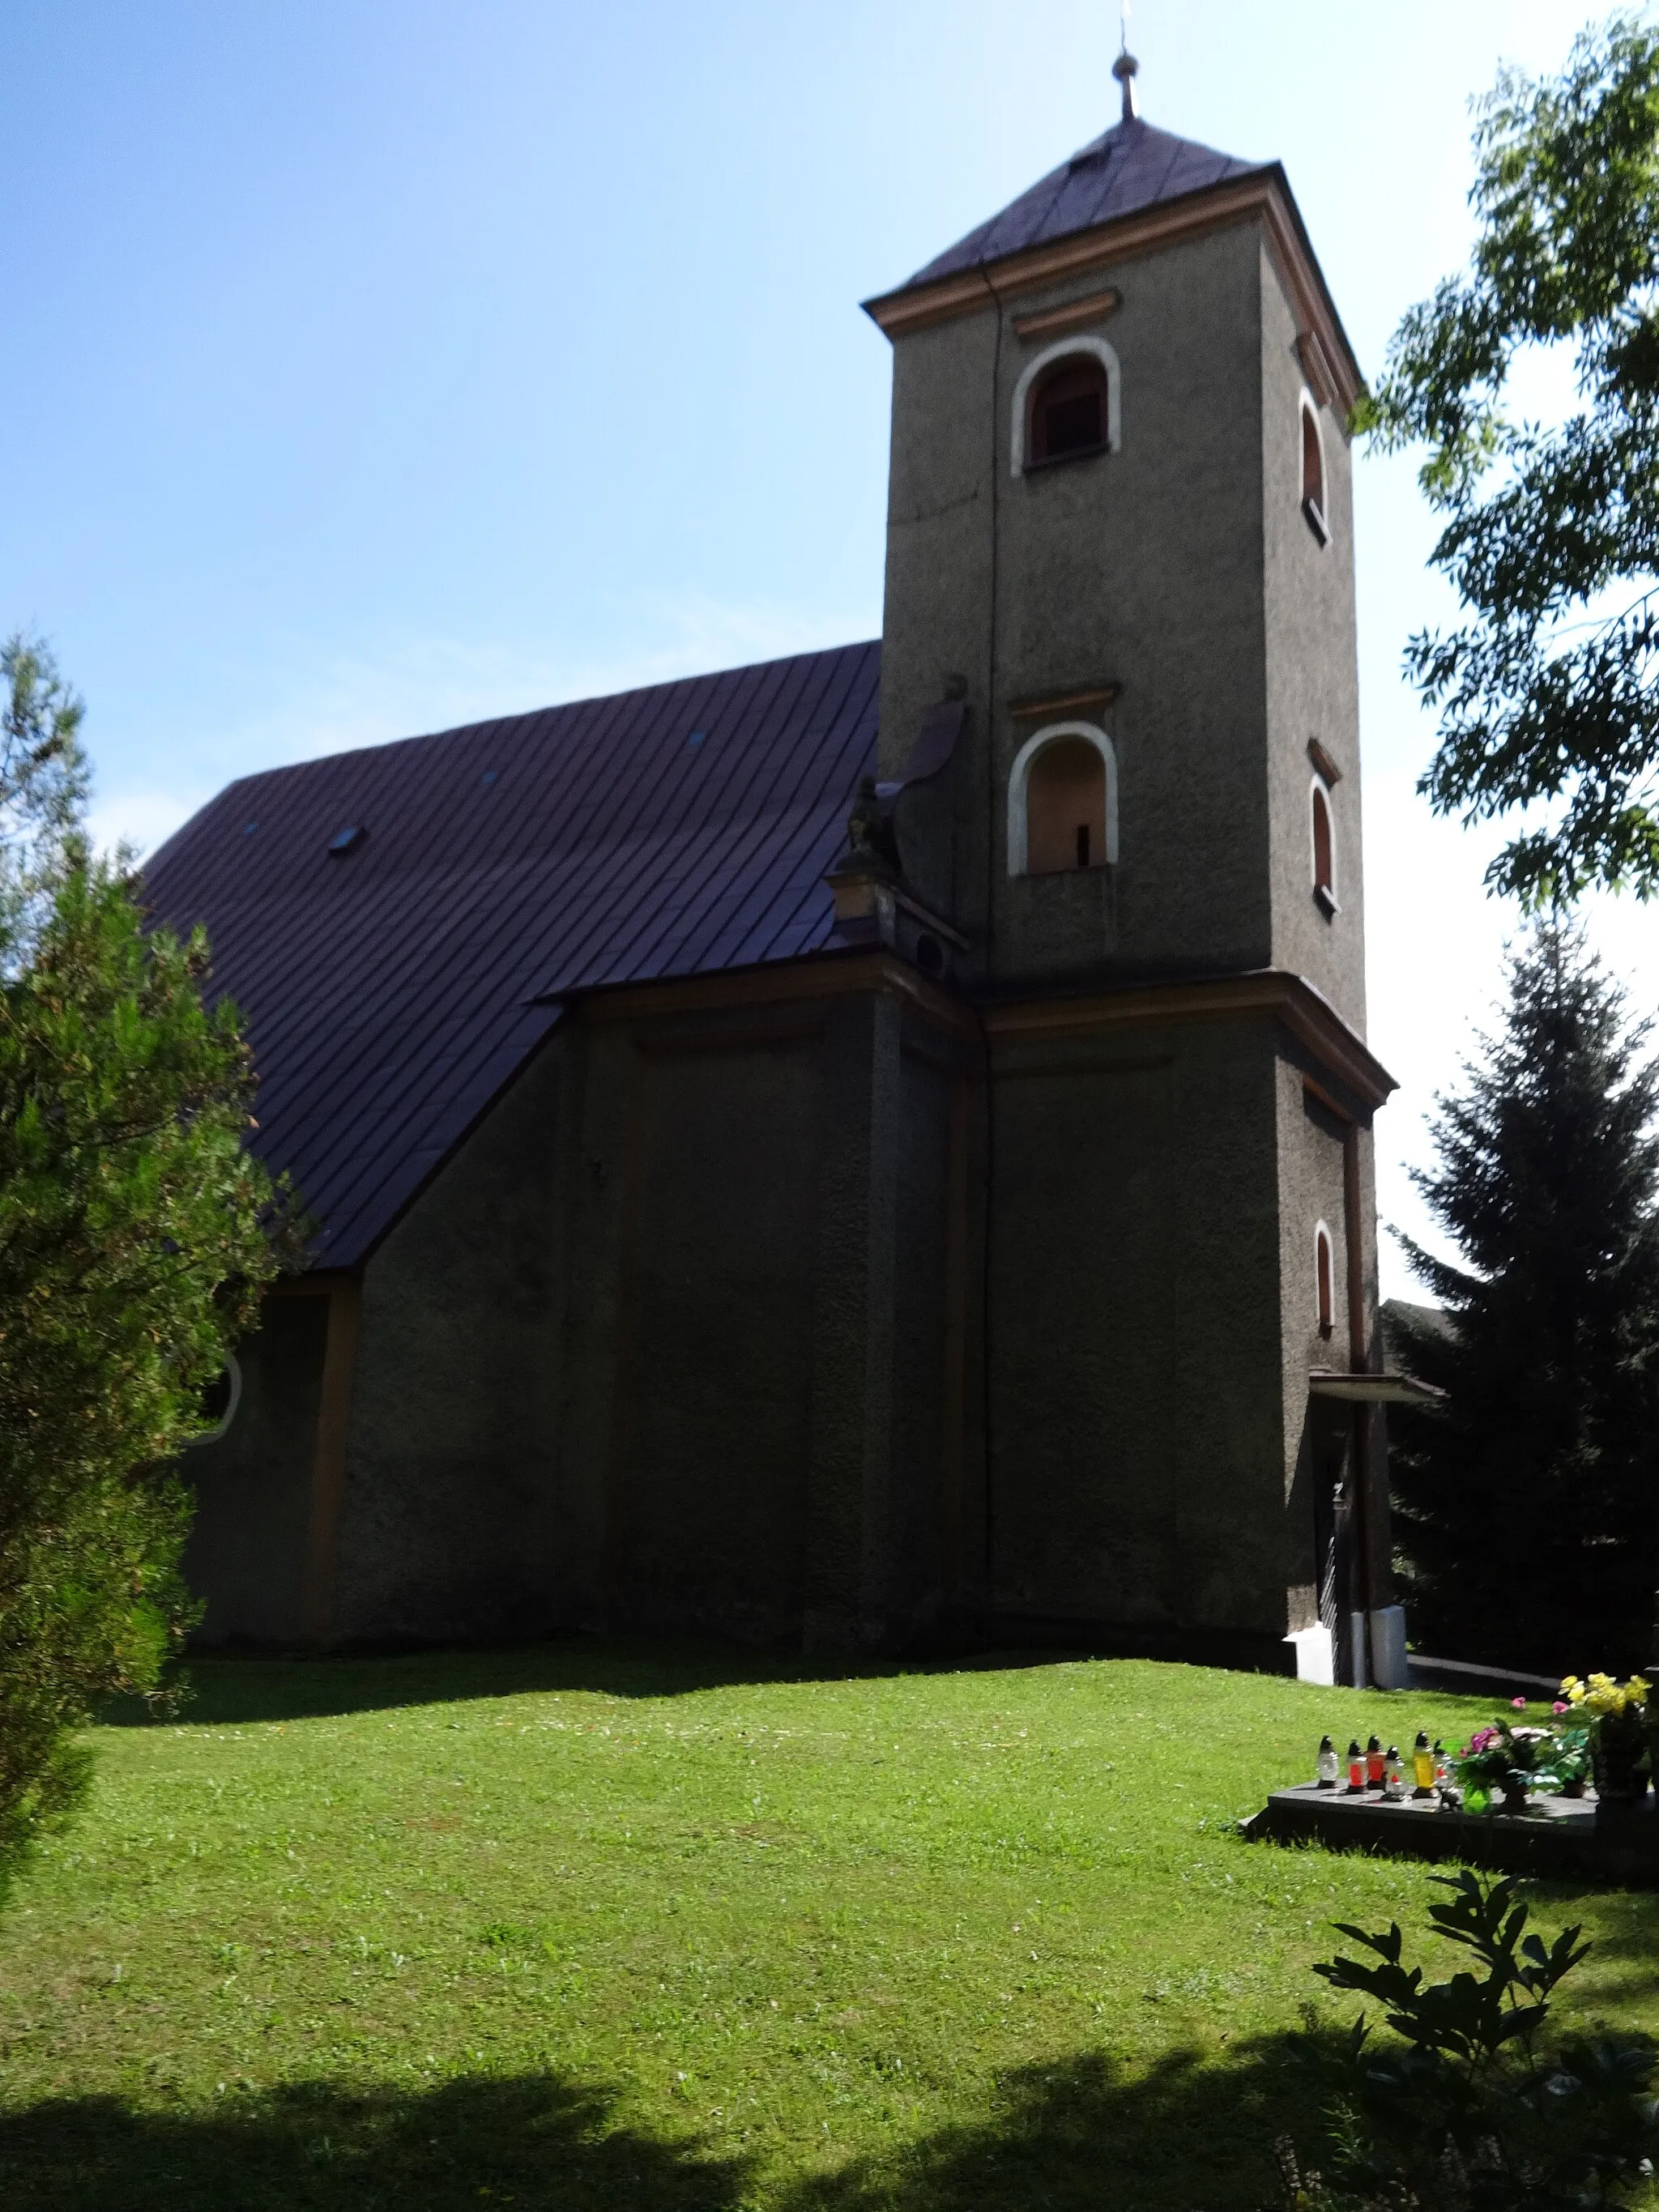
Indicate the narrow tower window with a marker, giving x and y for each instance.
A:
(1313, 473)
(1324, 848)
(1323, 1279)
(1070, 405)
(1066, 808)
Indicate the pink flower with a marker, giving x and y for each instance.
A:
(1482, 1738)
(1560, 1706)
(1520, 1705)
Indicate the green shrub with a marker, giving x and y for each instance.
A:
(1475, 2108)
(136, 1232)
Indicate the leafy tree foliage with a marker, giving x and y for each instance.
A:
(1549, 693)
(1528, 1504)
(135, 1235)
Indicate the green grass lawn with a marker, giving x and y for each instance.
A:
(624, 1926)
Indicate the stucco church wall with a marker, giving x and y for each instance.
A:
(930, 1300)
(1137, 1437)
(247, 1551)
(452, 1440)
(1312, 672)
(709, 1446)
(685, 1492)
(1141, 568)
(1312, 1190)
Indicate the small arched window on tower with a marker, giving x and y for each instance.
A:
(1312, 472)
(1070, 410)
(1066, 808)
(1324, 1280)
(1321, 831)
(1062, 801)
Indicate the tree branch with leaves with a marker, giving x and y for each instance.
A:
(1548, 692)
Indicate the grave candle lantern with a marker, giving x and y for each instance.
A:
(1424, 1765)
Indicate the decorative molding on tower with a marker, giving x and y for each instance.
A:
(1076, 315)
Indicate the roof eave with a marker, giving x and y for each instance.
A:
(1264, 196)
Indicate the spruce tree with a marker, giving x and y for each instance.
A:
(1526, 1502)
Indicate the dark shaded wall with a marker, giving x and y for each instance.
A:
(246, 1554)
(765, 1319)
(445, 1525)
(1138, 1436)
(702, 1329)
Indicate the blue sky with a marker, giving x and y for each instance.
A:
(382, 364)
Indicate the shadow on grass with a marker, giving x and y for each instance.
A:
(530, 2141)
(1067, 2138)
(1079, 2135)
(227, 1690)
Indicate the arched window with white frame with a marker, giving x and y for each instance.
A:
(1322, 845)
(1315, 503)
(1324, 1279)
(1067, 404)
(1062, 801)
(221, 1400)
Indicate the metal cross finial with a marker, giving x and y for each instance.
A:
(1124, 68)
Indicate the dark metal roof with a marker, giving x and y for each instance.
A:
(390, 989)
(1131, 166)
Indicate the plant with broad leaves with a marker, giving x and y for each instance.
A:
(1473, 2109)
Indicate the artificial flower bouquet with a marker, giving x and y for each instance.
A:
(1616, 1714)
(1508, 1759)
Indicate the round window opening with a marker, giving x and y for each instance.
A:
(220, 1400)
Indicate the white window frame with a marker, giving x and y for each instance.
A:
(233, 1369)
(1020, 777)
(1317, 510)
(1321, 1232)
(1329, 902)
(1068, 350)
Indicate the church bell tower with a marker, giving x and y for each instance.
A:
(1119, 534)
(1120, 764)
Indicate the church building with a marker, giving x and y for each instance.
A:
(871, 1152)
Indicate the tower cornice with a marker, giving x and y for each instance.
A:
(1264, 197)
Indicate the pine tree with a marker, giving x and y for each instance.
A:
(1528, 1501)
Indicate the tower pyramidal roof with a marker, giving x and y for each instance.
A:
(1133, 184)
(1127, 169)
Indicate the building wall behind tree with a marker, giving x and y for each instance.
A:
(246, 1553)
(446, 1527)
